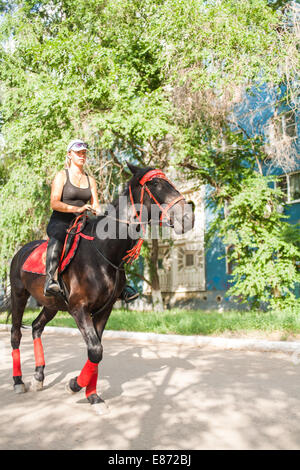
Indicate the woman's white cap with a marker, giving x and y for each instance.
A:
(77, 145)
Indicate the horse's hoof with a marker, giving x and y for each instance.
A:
(20, 388)
(36, 385)
(68, 389)
(72, 386)
(100, 408)
(98, 405)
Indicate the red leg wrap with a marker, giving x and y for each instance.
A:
(88, 371)
(38, 352)
(16, 363)
(91, 388)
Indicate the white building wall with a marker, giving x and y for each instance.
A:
(182, 262)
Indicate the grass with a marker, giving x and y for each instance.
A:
(185, 322)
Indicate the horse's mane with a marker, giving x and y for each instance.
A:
(134, 180)
(124, 192)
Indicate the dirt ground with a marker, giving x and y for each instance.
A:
(160, 396)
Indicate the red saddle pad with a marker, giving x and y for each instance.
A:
(36, 261)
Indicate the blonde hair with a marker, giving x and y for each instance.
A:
(67, 161)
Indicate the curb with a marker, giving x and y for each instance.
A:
(195, 341)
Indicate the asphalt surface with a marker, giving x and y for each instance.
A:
(160, 396)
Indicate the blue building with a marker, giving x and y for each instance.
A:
(260, 114)
(195, 276)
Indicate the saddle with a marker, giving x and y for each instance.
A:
(36, 261)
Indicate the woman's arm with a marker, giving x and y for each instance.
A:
(94, 199)
(56, 192)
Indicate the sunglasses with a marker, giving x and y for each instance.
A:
(78, 147)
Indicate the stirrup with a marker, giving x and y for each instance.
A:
(52, 288)
(129, 294)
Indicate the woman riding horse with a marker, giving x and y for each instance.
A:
(96, 276)
(72, 190)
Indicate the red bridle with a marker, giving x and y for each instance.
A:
(133, 254)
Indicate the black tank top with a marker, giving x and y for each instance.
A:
(75, 196)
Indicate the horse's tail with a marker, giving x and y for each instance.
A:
(5, 303)
(5, 306)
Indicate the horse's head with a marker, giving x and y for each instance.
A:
(151, 189)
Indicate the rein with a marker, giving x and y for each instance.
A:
(118, 268)
(78, 227)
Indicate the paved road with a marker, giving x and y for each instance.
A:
(160, 396)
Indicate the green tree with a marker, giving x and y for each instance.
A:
(264, 246)
(66, 70)
(139, 80)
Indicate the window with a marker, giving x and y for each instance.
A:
(282, 126)
(189, 259)
(290, 185)
(288, 124)
(282, 183)
(192, 204)
(294, 181)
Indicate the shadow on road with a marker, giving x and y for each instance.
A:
(160, 397)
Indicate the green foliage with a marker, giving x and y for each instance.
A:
(264, 247)
(220, 42)
(66, 71)
(22, 217)
(120, 74)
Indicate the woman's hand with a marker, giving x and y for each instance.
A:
(86, 207)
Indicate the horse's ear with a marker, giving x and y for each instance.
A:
(134, 169)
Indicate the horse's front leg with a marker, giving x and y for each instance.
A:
(37, 329)
(89, 374)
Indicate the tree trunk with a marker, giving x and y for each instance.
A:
(154, 278)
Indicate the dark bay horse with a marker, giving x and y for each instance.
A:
(95, 278)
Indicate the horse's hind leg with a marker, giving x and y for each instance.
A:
(18, 303)
(37, 329)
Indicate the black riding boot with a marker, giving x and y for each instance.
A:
(129, 294)
(54, 250)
